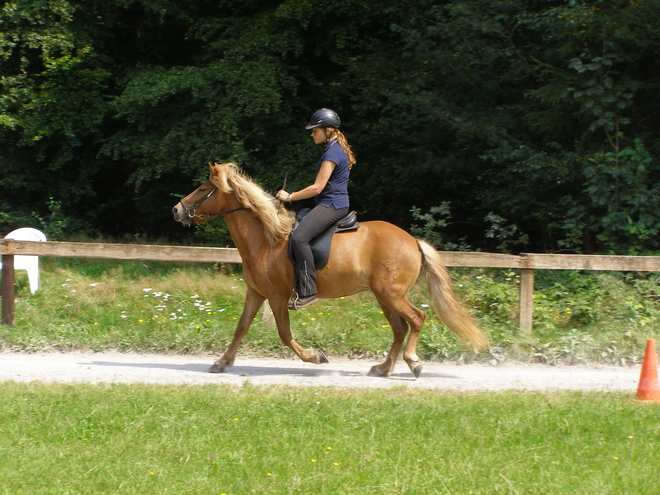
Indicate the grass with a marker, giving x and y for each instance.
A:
(63, 439)
(193, 308)
(139, 439)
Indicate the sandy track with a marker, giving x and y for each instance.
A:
(193, 370)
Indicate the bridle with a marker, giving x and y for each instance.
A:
(191, 211)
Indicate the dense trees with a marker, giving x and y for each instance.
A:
(507, 125)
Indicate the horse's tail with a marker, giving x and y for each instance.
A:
(447, 307)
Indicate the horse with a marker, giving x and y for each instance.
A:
(378, 256)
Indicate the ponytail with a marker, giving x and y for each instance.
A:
(343, 142)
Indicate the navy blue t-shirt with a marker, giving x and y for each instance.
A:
(335, 192)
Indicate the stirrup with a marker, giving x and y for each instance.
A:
(302, 302)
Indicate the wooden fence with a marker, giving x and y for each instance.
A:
(526, 263)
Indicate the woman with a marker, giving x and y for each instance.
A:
(330, 190)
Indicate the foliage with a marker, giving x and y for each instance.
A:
(539, 113)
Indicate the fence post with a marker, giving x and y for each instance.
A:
(526, 299)
(8, 289)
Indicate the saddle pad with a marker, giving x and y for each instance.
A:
(321, 245)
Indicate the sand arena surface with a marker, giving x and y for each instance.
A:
(84, 367)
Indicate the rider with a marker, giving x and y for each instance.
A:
(331, 195)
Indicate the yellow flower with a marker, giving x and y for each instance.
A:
(328, 448)
(313, 460)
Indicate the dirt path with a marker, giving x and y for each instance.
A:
(193, 370)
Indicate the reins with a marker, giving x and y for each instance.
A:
(191, 211)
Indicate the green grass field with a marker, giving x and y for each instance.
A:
(193, 308)
(63, 439)
(120, 439)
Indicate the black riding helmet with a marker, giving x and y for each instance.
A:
(324, 118)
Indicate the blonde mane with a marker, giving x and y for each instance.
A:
(277, 221)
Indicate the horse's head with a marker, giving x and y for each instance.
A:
(205, 201)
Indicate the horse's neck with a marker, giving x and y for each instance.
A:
(248, 234)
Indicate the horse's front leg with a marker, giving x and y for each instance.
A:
(253, 301)
(281, 314)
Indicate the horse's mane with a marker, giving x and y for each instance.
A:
(277, 221)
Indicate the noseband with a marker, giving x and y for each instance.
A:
(191, 211)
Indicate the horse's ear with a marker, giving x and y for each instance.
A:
(211, 169)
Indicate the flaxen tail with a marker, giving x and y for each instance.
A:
(447, 307)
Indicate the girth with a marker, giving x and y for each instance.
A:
(321, 244)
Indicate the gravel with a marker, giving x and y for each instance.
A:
(83, 367)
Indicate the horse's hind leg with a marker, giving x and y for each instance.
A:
(410, 352)
(399, 329)
(253, 301)
(397, 311)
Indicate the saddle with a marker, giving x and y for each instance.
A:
(322, 243)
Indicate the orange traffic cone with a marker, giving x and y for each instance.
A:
(648, 389)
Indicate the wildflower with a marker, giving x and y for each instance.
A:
(95, 323)
(328, 448)
(313, 460)
(269, 474)
(424, 305)
(92, 285)
(236, 419)
(148, 289)
(335, 464)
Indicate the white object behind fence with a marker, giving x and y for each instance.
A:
(28, 263)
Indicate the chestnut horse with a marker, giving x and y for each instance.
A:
(378, 256)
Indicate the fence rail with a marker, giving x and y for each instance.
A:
(526, 263)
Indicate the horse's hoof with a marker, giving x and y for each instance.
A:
(417, 369)
(217, 368)
(377, 371)
(322, 358)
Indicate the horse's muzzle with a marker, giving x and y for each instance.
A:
(181, 215)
